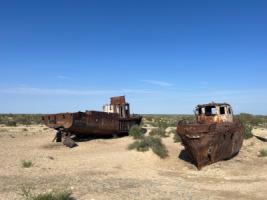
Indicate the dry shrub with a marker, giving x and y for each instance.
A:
(263, 153)
(155, 143)
(136, 132)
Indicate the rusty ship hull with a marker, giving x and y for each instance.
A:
(211, 142)
(92, 123)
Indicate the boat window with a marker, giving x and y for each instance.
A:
(199, 111)
(63, 116)
(213, 111)
(222, 110)
(210, 111)
(229, 111)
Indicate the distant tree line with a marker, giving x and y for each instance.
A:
(24, 119)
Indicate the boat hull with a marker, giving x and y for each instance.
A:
(209, 143)
(92, 123)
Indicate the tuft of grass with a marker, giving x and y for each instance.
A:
(25, 129)
(136, 132)
(27, 164)
(158, 132)
(146, 142)
(54, 195)
(248, 131)
(263, 153)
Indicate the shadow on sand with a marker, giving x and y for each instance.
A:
(85, 138)
(185, 156)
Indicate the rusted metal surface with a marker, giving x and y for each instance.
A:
(118, 100)
(114, 121)
(89, 122)
(214, 136)
(214, 113)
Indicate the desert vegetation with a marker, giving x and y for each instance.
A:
(24, 119)
(253, 120)
(149, 142)
(144, 143)
(248, 131)
(263, 153)
(136, 132)
(27, 194)
(26, 163)
(176, 138)
(159, 131)
(164, 121)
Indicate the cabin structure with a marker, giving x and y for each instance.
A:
(214, 113)
(118, 105)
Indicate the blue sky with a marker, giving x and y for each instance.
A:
(165, 56)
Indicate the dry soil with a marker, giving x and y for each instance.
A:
(104, 169)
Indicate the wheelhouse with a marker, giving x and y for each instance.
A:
(214, 113)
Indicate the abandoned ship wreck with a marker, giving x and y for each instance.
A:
(115, 119)
(216, 135)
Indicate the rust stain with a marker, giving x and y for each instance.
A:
(120, 100)
(215, 135)
(114, 120)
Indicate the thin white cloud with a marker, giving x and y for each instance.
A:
(159, 83)
(62, 77)
(49, 91)
(204, 83)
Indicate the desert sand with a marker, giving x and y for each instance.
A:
(104, 169)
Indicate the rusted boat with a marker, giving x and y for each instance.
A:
(115, 119)
(215, 135)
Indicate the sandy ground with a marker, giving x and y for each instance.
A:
(104, 169)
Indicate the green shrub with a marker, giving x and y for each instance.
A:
(142, 123)
(251, 119)
(11, 123)
(136, 132)
(27, 163)
(54, 195)
(139, 145)
(155, 143)
(248, 131)
(158, 147)
(176, 138)
(158, 132)
(263, 153)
